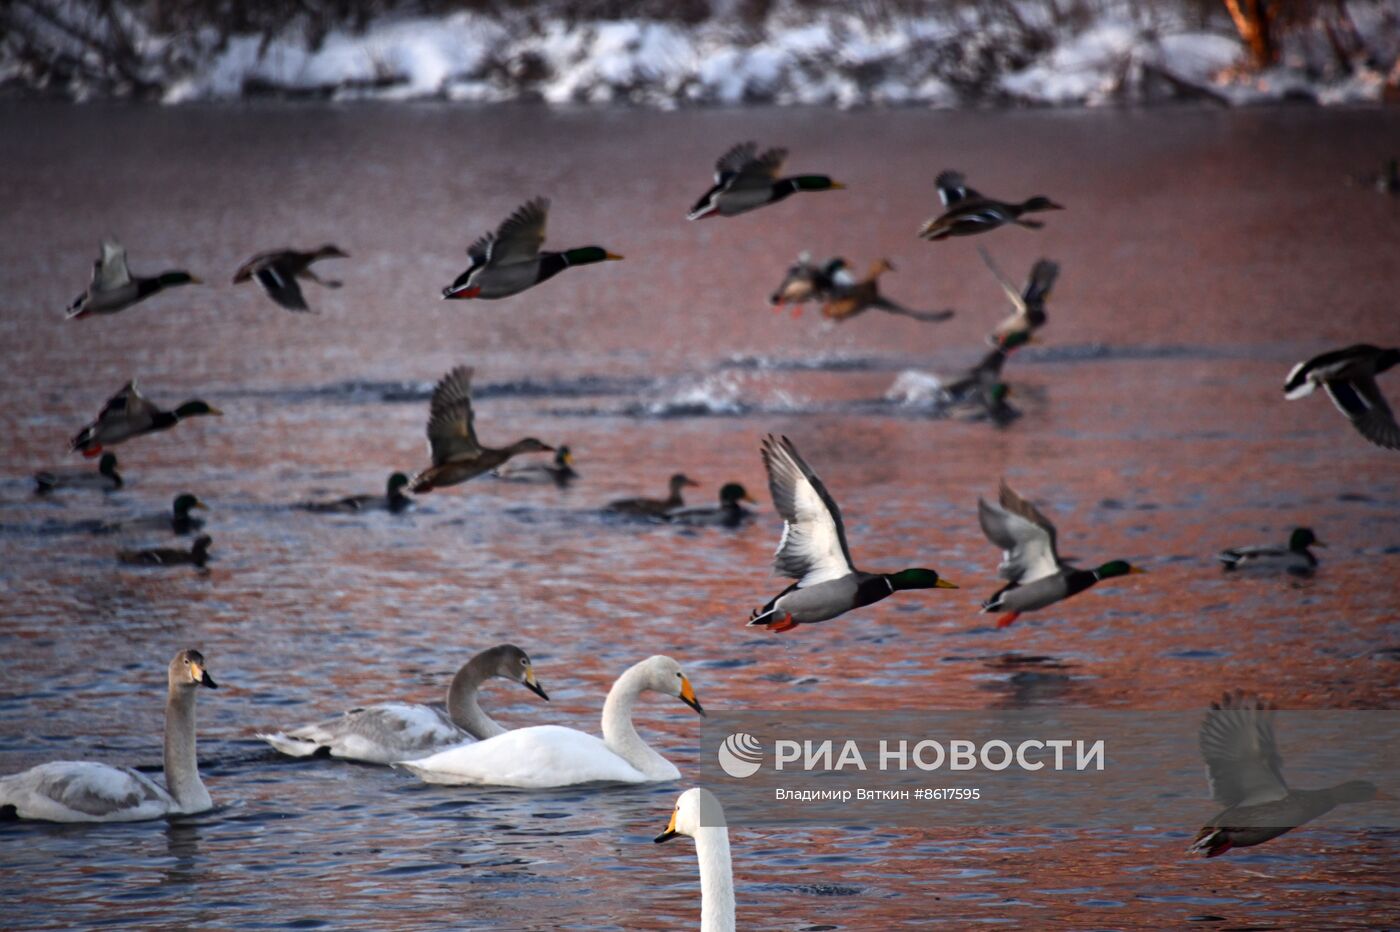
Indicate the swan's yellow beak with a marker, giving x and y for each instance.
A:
(201, 676)
(670, 829)
(533, 684)
(688, 695)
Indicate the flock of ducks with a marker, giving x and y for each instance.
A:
(460, 744)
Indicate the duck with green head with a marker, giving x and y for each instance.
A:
(745, 180)
(509, 261)
(966, 212)
(1036, 576)
(393, 500)
(813, 551)
(129, 414)
(729, 513)
(105, 478)
(113, 288)
(1295, 558)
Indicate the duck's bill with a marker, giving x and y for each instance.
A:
(944, 584)
(837, 186)
(534, 686)
(612, 257)
(1318, 543)
(198, 503)
(688, 696)
(1135, 570)
(670, 830)
(215, 411)
(750, 500)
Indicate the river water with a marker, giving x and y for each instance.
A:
(1204, 252)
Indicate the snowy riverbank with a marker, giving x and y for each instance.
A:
(954, 54)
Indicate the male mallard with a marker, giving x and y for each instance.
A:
(178, 519)
(105, 478)
(457, 455)
(1246, 776)
(277, 272)
(113, 288)
(850, 297)
(509, 261)
(393, 500)
(197, 555)
(967, 212)
(1295, 559)
(128, 414)
(654, 507)
(813, 551)
(1035, 574)
(745, 180)
(729, 513)
(1349, 376)
(805, 281)
(559, 470)
(982, 385)
(1029, 302)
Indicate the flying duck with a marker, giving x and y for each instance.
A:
(277, 272)
(457, 454)
(1029, 302)
(113, 288)
(745, 180)
(1349, 376)
(813, 551)
(128, 414)
(849, 297)
(509, 261)
(966, 212)
(1036, 576)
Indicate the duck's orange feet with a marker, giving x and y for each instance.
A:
(92, 451)
(796, 311)
(1005, 620)
(787, 624)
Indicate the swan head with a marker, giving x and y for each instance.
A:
(187, 670)
(664, 675)
(696, 808)
(512, 663)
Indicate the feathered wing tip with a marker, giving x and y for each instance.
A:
(737, 156)
(1298, 384)
(1211, 842)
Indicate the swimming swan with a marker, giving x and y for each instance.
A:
(382, 734)
(550, 755)
(699, 815)
(85, 791)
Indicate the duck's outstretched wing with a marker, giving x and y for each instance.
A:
(813, 546)
(1025, 535)
(952, 188)
(451, 432)
(110, 272)
(1360, 399)
(1237, 744)
(520, 236)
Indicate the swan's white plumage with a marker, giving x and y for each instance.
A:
(532, 758)
(85, 791)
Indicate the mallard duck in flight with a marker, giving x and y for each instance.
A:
(457, 454)
(1246, 777)
(113, 288)
(849, 296)
(805, 281)
(277, 272)
(105, 478)
(128, 414)
(509, 261)
(1036, 576)
(1029, 302)
(1349, 376)
(813, 551)
(966, 212)
(1295, 558)
(745, 180)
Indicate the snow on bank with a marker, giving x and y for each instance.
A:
(955, 55)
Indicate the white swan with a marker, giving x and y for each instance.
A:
(549, 755)
(699, 815)
(84, 791)
(392, 731)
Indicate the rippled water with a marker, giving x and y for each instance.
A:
(1204, 253)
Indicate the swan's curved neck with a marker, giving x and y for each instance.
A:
(462, 707)
(619, 733)
(181, 761)
(716, 879)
